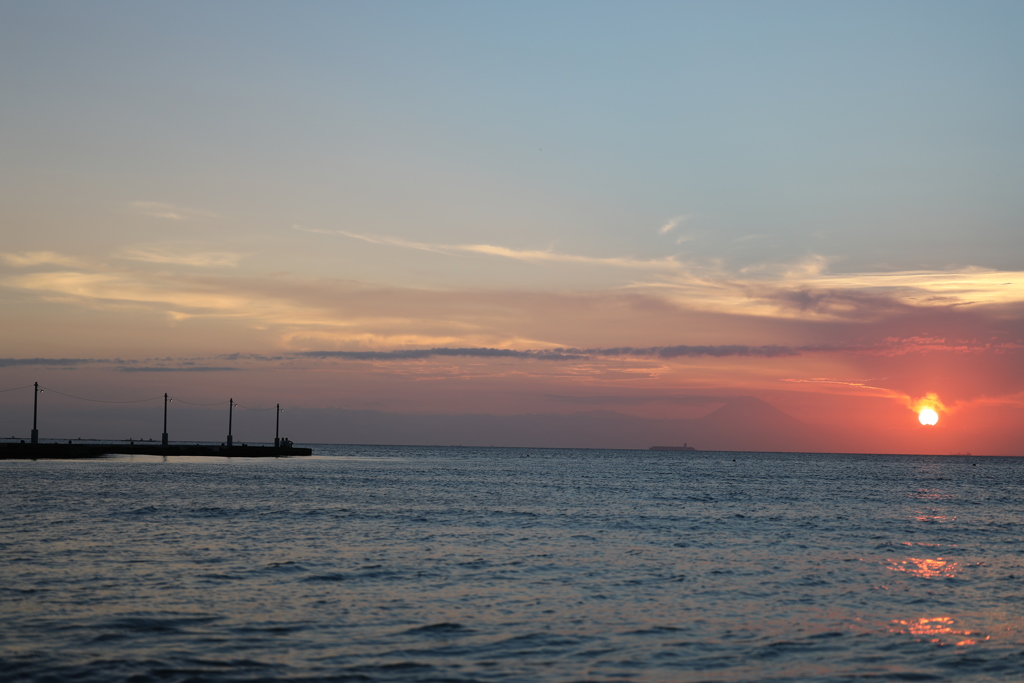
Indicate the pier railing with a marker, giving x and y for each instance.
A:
(279, 442)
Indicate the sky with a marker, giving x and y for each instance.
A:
(472, 211)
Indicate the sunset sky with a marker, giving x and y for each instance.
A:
(468, 208)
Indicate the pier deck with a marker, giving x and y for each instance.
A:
(61, 451)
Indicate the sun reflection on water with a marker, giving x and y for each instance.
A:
(939, 568)
(934, 518)
(930, 514)
(928, 545)
(930, 494)
(939, 630)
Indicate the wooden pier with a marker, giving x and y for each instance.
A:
(71, 450)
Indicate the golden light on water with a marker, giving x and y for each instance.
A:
(939, 630)
(928, 416)
(939, 568)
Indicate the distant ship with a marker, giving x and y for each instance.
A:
(684, 447)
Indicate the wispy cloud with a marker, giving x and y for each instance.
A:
(315, 231)
(682, 351)
(934, 287)
(672, 224)
(419, 354)
(143, 288)
(900, 346)
(666, 352)
(806, 289)
(160, 254)
(361, 338)
(828, 380)
(317, 313)
(169, 211)
(41, 258)
(696, 400)
(528, 255)
(297, 314)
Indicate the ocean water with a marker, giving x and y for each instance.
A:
(463, 564)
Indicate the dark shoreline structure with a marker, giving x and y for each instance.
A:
(62, 451)
(36, 450)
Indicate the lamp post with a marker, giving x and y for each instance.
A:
(35, 414)
(163, 439)
(277, 428)
(231, 410)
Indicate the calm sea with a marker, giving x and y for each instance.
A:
(464, 564)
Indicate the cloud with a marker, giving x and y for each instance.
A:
(668, 262)
(184, 368)
(933, 287)
(863, 384)
(42, 258)
(889, 347)
(141, 288)
(929, 400)
(315, 231)
(418, 354)
(249, 356)
(169, 211)
(638, 400)
(805, 289)
(672, 224)
(53, 362)
(872, 314)
(528, 255)
(834, 302)
(898, 346)
(305, 339)
(157, 254)
(331, 310)
(560, 353)
(769, 351)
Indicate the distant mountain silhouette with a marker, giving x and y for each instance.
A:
(743, 423)
(749, 409)
(748, 423)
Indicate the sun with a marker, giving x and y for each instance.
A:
(927, 408)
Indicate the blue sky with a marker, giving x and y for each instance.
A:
(776, 129)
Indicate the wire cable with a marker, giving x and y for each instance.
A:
(96, 400)
(181, 400)
(256, 410)
(140, 400)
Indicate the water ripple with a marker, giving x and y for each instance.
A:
(434, 564)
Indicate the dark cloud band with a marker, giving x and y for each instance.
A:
(183, 368)
(560, 354)
(770, 351)
(51, 362)
(417, 354)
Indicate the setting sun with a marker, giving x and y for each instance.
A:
(928, 416)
